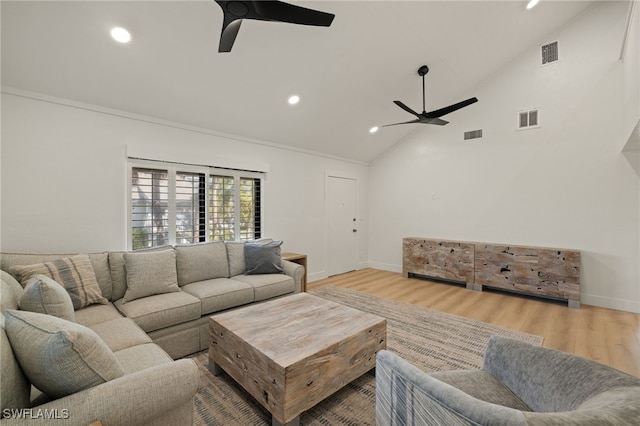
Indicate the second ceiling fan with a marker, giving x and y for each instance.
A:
(431, 117)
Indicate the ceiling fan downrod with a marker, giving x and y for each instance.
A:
(422, 71)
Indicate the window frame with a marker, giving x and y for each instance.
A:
(172, 170)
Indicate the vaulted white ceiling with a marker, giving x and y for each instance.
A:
(347, 75)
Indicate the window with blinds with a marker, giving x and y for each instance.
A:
(249, 209)
(149, 208)
(222, 196)
(234, 208)
(190, 208)
(171, 206)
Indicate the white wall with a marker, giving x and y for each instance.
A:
(631, 105)
(565, 184)
(64, 174)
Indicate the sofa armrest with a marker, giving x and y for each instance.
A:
(407, 395)
(296, 272)
(139, 398)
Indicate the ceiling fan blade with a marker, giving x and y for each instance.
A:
(404, 122)
(285, 12)
(230, 29)
(436, 121)
(446, 110)
(235, 11)
(406, 108)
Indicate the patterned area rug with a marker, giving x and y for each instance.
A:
(431, 340)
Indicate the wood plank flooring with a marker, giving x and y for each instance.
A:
(604, 335)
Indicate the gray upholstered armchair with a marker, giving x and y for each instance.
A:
(519, 384)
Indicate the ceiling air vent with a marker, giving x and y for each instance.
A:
(549, 53)
(472, 134)
(529, 119)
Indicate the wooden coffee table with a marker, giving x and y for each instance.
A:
(291, 353)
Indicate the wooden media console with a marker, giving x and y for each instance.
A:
(548, 272)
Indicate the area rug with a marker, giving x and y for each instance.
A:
(431, 340)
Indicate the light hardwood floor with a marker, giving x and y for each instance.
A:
(604, 335)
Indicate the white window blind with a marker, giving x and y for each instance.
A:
(222, 208)
(149, 208)
(234, 208)
(190, 207)
(249, 208)
(182, 204)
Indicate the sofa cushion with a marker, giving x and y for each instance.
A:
(220, 293)
(46, 296)
(162, 310)
(59, 357)
(204, 261)
(14, 386)
(266, 286)
(263, 258)
(96, 314)
(483, 386)
(141, 357)
(150, 273)
(235, 254)
(74, 273)
(121, 333)
(11, 292)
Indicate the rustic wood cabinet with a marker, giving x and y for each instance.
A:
(447, 260)
(548, 272)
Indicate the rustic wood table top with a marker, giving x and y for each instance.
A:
(292, 352)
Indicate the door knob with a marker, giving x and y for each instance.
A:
(355, 230)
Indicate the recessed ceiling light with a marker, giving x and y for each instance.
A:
(294, 99)
(373, 129)
(532, 4)
(120, 35)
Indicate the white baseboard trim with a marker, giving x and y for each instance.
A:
(385, 266)
(610, 303)
(362, 265)
(316, 276)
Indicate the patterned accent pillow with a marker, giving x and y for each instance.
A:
(75, 273)
(44, 295)
(58, 356)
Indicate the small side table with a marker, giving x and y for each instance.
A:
(300, 259)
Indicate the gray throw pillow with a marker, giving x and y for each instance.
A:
(46, 296)
(59, 357)
(263, 258)
(150, 273)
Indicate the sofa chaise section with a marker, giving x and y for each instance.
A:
(153, 388)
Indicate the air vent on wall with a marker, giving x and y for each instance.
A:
(472, 134)
(549, 53)
(529, 119)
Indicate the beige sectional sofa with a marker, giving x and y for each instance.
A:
(148, 308)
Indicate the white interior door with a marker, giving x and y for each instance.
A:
(343, 230)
